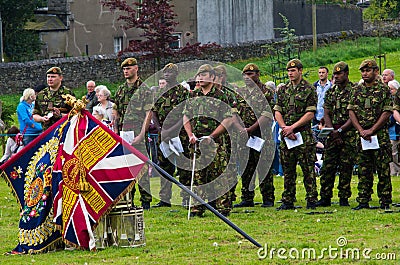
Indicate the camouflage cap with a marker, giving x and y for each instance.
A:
(54, 70)
(220, 70)
(129, 62)
(251, 67)
(170, 68)
(340, 66)
(204, 68)
(294, 63)
(368, 63)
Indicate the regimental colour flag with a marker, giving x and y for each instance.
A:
(67, 179)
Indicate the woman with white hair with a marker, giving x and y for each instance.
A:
(394, 133)
(29, 128)
(104, 102)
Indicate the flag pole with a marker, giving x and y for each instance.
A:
(199, 199)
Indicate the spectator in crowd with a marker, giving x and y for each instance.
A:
(100, 113)
(322, 85)
(387, 75)
(13, 144)
(106, 104)
(394, 132)
(91, 95)
(28, 126)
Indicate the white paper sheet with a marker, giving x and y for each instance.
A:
(255, 143)
(174, 146)
(324, 132)
(293, 143)
(127, 136)
(367, 145)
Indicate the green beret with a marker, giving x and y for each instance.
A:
(205, 68)
(368, 64)
(251, 67)
(340, 66)
(171, 68)
(129, 62)
(54, 70)
(294, 63)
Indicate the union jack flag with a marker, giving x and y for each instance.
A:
(67, 179)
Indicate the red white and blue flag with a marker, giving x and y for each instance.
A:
(67, 179)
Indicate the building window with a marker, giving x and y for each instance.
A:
(117, 44)
(139, 9)
(177, 43)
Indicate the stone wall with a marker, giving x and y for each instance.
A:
(15, 77)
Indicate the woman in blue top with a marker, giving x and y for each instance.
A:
(29, 128)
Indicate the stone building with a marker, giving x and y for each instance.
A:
(76, 28)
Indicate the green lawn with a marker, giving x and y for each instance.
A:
(172, 239)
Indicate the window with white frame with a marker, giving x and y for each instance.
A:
(117, 44)
(177, 43)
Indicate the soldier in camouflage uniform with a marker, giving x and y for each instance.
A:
(369, 108)
(168, 99)
(133, 105)
(206, 116)
(340, 145)
(49, 104)
(251, 94)
(294, 110)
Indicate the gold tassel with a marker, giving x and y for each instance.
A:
(83, 184)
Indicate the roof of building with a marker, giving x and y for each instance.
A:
(45, 23)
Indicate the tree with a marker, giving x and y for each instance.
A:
(283, 51)
(378, 11)
(156, 21)
(19, 44)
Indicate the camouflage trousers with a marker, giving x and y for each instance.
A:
(305, 156)
(337, 159)
(370, 161)
(168, 164)
(248, 178)
(144, 181)
(210, 183)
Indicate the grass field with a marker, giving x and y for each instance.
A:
(172, 239)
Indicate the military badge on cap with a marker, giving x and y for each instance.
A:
(170, 68)
(340, 66)
(251, 67)
(294, 63)
(129, 62)
(368, 63)
(54, 70)
(204, 68)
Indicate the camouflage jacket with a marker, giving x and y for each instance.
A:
(47, 99)
(251, 105)
(336, 101)
(168, 101)
(132, 103)
(368, 103)
(295, 101)
(207, 111)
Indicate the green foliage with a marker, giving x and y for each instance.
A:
(381, 9)
(19, 44)
(283, 51)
